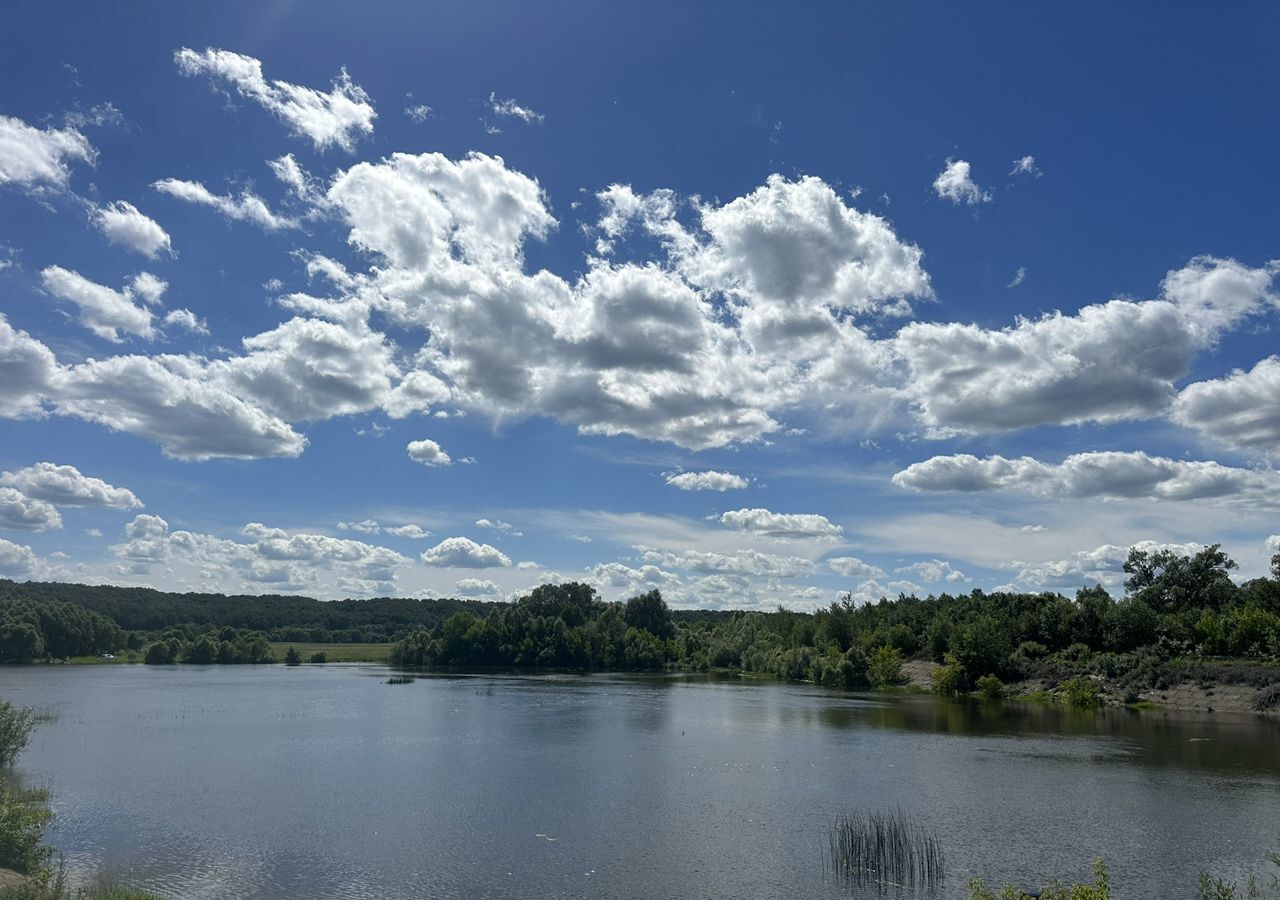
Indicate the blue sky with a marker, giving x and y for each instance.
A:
(754, 303)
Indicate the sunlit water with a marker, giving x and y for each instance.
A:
(311, 782)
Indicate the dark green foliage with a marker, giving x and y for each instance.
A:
(1179, 614)
(884, 666)
(1170, 583)
(24, 815)
(991, 687)
(1081, 692)
(292, 657)
(225, 646)
(16, 724)
(319, 657)
(555, 626)
(649, 612)
(32, 629)
(950, 679)
(888, 849)
(282, 618)
(159, 654)
(1099, 890)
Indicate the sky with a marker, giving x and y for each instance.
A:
(757, 304)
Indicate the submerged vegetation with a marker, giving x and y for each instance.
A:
(885, 848)
(24, 817)
(1181, 619)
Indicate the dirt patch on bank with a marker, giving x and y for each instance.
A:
(1213, 698)
(919, 672)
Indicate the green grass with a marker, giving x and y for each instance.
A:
(379, 653)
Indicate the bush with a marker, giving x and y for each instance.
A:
(884, 666)
(950, 679)
(292, 657)
(15, 730)
(1099, 890)
(1081, 692)
(991, 687)
(23, 818)
(319, 657)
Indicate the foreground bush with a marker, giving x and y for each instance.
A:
(1099, 890)
(15, 730)
(24, 815)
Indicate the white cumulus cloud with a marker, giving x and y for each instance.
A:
(781, 525)
(429, 453)
(124, 224)
(67, 486)
(31, 156)
(1103, 474)
(464, 553)
(104, 311)
(16, 559)
(954, 183)
(248, 207)
(707, 481)
(1240, 410)
(24, 513)
(476, 587)
(852, 567)
(337, 118)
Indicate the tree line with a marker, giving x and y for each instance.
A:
(1174, 608)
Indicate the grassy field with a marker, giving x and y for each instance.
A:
(336, 652)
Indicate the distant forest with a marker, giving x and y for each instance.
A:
(1176, 611)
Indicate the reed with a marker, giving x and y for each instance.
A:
(888, 848)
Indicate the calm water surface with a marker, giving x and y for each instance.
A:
(309, 782)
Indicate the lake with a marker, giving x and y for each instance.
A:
(324, 781)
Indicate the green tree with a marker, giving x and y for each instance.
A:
(16, 724)
(650, 613)
(158, 654)
(950, 678)
(20, 642)
(1170, 583)
(884, 666)
(292, 657)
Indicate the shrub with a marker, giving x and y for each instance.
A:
(1099, 890)
(292, 657)
(23, 818)
(991, 687)
(319, 657)
(1081, 692)
(884, 666)
(15, 730)
(950, 679)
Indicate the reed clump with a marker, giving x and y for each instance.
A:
(885, 847)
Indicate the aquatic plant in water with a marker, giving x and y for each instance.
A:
(888, 848)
